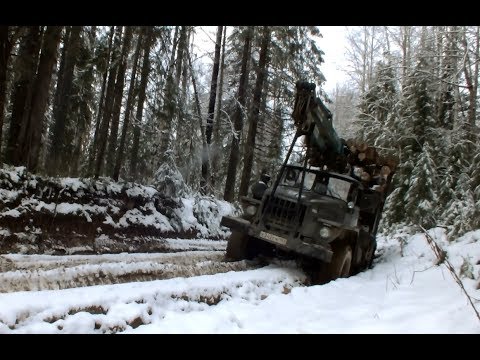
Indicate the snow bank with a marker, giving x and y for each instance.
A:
(31, 200)
(203, 213)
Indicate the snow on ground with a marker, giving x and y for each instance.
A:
(405, 292)
(204, 244)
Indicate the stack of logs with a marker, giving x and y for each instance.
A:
(367, 165)
(359, 160)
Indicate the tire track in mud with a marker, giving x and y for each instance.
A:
(115, 309)
(43, 272)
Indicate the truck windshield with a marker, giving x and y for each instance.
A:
(338, 188)
(320, 183)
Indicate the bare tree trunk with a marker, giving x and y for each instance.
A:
(62, 97)
(93, 148)
(85, 90)
(370, 69)
(364, 60)
(5, 49)
(117, 101)
(61, 73)
(257, 96)
(107, 112)
(213, 85)
(471, 77)
(238, 119)
(454, 40)
(31, 131)
(260, 152)
(197, 107)
(170, 103)
(216, 129)
(211, 111)
(128, 108)
(171, 64)
(180, 111)
(405, 42)
(26, 64)
(406, 34)
(141, 100)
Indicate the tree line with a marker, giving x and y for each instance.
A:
(124, 101)
(138, 103)
(414, 94)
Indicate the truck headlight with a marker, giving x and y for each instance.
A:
(251, 210)
(325, 232)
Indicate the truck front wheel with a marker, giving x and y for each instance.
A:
(237, 246)
(341, 263)
(338, 267)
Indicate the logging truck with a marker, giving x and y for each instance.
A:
(323, 211)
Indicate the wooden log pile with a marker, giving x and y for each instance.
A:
(356, 158)
(366, 164)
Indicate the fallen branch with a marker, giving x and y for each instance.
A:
(415, 271)
(442, 258)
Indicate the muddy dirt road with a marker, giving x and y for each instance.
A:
(48, 272)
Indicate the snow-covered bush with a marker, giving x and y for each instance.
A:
(169, 181)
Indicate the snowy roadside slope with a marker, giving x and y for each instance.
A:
(401, 294)
(57, 216)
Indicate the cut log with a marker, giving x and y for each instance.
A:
(365, 176)
(385, 170)
(371, 153)
(362, 147)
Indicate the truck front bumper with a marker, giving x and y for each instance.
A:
(316, 251)
(234, 223)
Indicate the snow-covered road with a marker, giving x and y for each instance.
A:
(405, 292)
(48, 272)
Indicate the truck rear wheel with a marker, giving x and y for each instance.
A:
(370, 255)
(237, 246)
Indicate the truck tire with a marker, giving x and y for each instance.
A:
(368, 253)
(340, 266)
(237, 246)
(341, 263)
(371, 255)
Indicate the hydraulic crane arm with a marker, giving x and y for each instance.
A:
(326, 149)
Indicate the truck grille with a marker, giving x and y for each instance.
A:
(282, 213)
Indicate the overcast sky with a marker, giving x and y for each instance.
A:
(333, 45)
